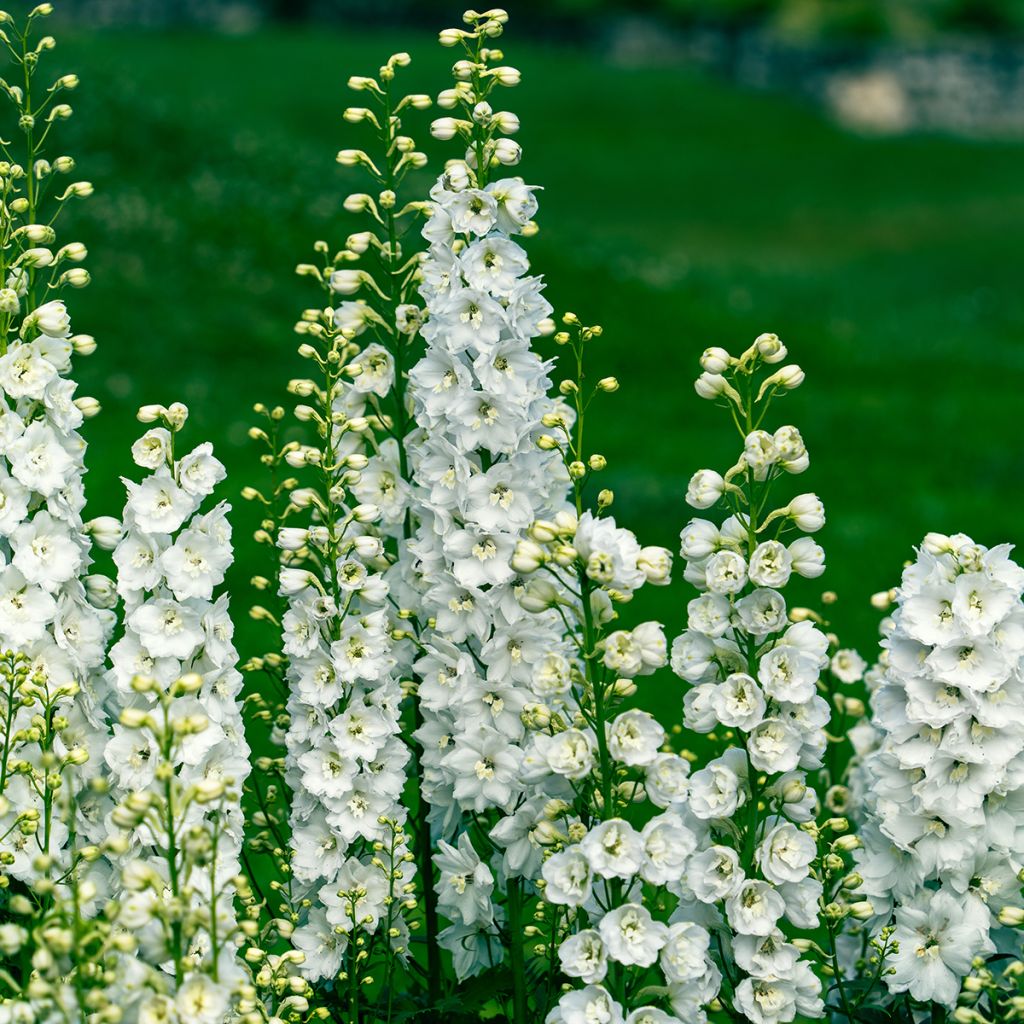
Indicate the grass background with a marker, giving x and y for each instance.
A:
(677, 212)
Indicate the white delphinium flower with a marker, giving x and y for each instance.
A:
(55, 618)
(348, 602)
(480, 400)
(610, 888)
(173, 694)
(179, 870)
(941, 785)
(754, 671)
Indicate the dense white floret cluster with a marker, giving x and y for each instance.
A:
(448, 800)
(942, 786)
(177, 640)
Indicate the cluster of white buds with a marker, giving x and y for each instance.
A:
(480, 399)
(754, 674)
(942, 776)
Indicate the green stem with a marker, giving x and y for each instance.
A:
(520, 1014)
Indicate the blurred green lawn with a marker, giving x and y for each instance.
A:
(677, 212)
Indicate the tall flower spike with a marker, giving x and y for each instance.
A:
(610, 891)
(177, 756)
(480, 398)
(53, 614)
(943, 789)
(754, 675)
(343, 577)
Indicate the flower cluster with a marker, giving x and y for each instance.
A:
(942, 787)
(347, 886)
(754, 674)
(451, 722)
(479, 395)
(609, 889)
(177, 754)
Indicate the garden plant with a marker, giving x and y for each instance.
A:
(438, 794)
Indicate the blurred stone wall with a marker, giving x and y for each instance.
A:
(969, 86)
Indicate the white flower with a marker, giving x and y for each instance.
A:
(692, 656)
(465, 883)
(194, 564)
(634, 738)
(322, 947)
(705, 488)
(755, 908)
(153, 449)
(651, 1015)
(45, 552)
(568, 877)
(739, 702)
(590, 1005)
(199, 472)
(137, 557)
(807, 512)
(685, 953)
(201, 1000)
(725, 573)
(472, 211)
(656, 564)
(766, 1000)
(807, 557)
(770, 565)
(715, 790)
(785, 854)
(631, 936)
(25, 610)
(158, 504)
(583, 956)
(788, 674)
(39, 460)
(762, 612)
(166, 628)
(774, 746)
(667, 780)
(848, 666)
(132, 756)
(571, 753)
(486, 768)
(52, 319)
(764, 955)
(610, 554)
(699, 538)
(613, 849)
(937, 942)
(667, 844)
(714, 874)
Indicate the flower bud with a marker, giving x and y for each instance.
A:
(705, 488)
(150, 413)
(529, 557)
(506, 76)
(1012, 917)
(538, 595)
(105, 532)
(715, 361)
(710, 385)
(807, 512)
(769, 348)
